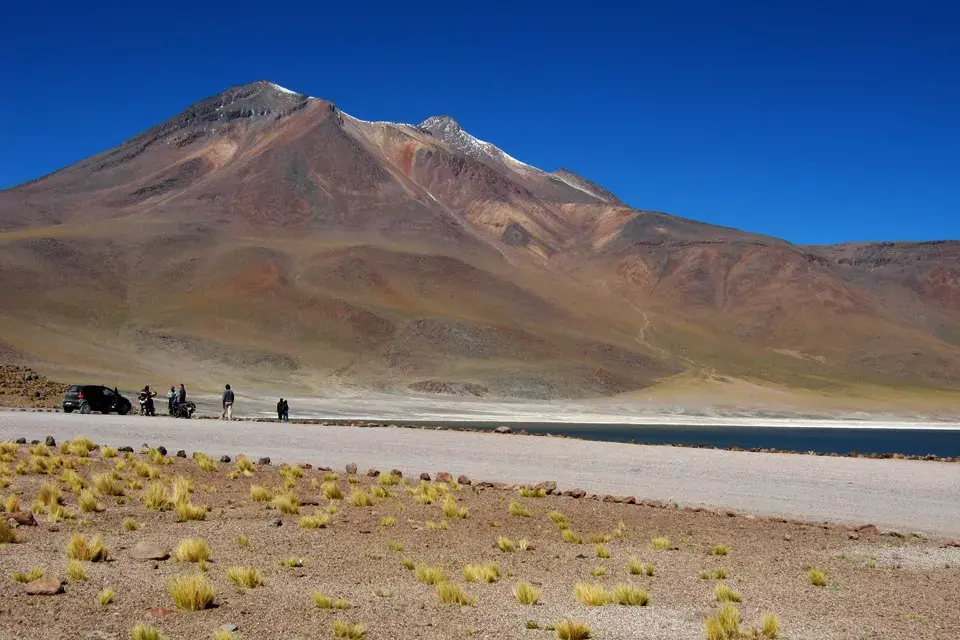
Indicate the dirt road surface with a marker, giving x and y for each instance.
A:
(903, 495)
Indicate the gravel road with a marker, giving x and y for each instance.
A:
(899, 494)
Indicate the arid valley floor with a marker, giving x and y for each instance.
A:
(875, 585)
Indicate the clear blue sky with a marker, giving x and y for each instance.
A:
(813, 121)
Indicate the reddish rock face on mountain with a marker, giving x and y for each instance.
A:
(267, 235)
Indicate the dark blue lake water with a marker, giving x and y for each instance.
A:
(941, 443)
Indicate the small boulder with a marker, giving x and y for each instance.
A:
(45, 587)
(868, 530)
(181, 453)
(396, 473)
(229, 628)
(548, 487)
(304, 465)
(225, 459)
(146, 550)
(372, 473)
(50, 442)
(21, 441)
(503, 429)
(951, 544)
(265, 460)
(630, 500)
(425, 476)
(162, 450)
(33, 442)
(462, 479)
(275, 522)
(20, 518)
(853, 535)
(443, 476)
(125, 449)
(352, 468)
(577, 493)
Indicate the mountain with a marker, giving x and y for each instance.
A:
(265, 235)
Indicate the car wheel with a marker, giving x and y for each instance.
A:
(68, 409)
(122, 411)
(85, 408)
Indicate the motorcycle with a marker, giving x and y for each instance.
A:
(184, 410)
(146, 403)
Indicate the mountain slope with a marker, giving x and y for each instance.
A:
(266, 235)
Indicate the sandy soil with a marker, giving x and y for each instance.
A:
(350, 559)
(905, 495)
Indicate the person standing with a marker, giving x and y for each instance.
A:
(227, 403)
(171, 399)
(286, 411)
(182, 395)
(280, 410)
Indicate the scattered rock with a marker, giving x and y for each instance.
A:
(609, 498)
(425, 476)
(162, 450)
(951, 544)
(145, 550)
(462, 479)
(21, 519)
(656, 504)
(630, 500)
(918, 534)
(45, 587)
(34, 442)
(443, 476)
(225, 459)
(125, 449)
(50, 442)
(788, 537)
(304, 465)
(372, 473)
(549, 487)
(503, 429)
(276, 522)
(396, 472)
(181, 453)
(577, 493)
(853, 535)
(230, 628)
(894, 534)
(352, 468)
(868, 530)
(53, 528)
(21, 441)
(265, 460)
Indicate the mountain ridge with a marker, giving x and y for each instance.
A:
(322, 249)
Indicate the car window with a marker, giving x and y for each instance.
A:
(73, 388)
(108, 393)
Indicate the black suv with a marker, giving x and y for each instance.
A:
(89, 397)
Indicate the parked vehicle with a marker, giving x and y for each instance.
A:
(184, 410)
(145, 398)
(88, 397)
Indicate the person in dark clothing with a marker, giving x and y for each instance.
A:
(181, 395)
(227, 403)
(286, 411)
(280, 410)
(171, 400)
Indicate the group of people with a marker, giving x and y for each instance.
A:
(177, 398)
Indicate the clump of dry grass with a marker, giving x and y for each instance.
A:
(526, 594)
(318, 520)
(244, 466)
(388, 479)
(524, 545)
(720, 573)
(106, 596)
(360, 498)
(326, 602)
(769, 625)
(452, 510)
(75, 571)
(292, 562)
(205, 462)
(602, 551)
(518, 510)
(108, 452)
(192, 550)
(660, 544)
(107, 485)
(12, 504)
(570, 630)
(817, 578)
(529, 492)
(92, 550)
(245, 577)
(286, 503)
(80, 447)
(6, 533)
(598, 572)
(599, 538)
(407, 564)
(723, 593)
(73, 480)
(505, 544)
(429, 575)
(34, 574)
(382, 492)
(243, 542)
(40, 450)
(388, 521)
(629, 596)
(129, 524)
(191, 593)
(182, 488)
(49, 494)
(571, 536)
(724, 624)
(592, 595)
(188, 511)
(331, 490)
(88, 502)
(393, 545)
(144, 470)
(223, 634)
(450, 593)
(488, 572)
(260, 494)
(146, 632)
(331, 477)
(348, 631)
(719, 550)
